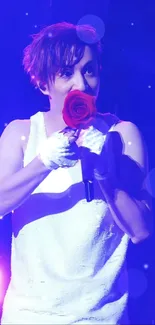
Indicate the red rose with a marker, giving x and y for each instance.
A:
(79, 109)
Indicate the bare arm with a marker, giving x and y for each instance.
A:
(16, 182)
(129, 203)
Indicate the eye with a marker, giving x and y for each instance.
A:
(66, 73)
(90, 70)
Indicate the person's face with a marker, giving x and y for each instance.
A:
(83, 76)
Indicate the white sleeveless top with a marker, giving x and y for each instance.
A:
(68, 256)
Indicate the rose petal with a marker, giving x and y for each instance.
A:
(79, 109)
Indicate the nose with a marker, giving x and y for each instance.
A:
(79, 82)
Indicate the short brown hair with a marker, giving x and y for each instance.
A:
(50, 49)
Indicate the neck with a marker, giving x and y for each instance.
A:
(53, 122)
(56, 118)
(55, 112)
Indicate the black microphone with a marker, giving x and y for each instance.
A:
(89, 190)
(87, 174)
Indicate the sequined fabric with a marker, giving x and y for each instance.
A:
(61, 157)
(68, 256)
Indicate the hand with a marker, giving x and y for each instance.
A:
(92, 139)
(95, 146)
(60, 150)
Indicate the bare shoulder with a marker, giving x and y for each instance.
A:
(16, 131)
(128, 128)
(130, 133)
(133, 140)
(16, 127)
(11, 147)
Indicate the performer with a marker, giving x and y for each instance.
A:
(68, 260)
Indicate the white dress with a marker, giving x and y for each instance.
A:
(68, 256)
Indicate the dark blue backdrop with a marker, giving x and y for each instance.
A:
(128, 89)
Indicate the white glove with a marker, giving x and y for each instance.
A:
(59, 150)
(93, 139)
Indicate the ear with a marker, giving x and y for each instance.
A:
(43, 88)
